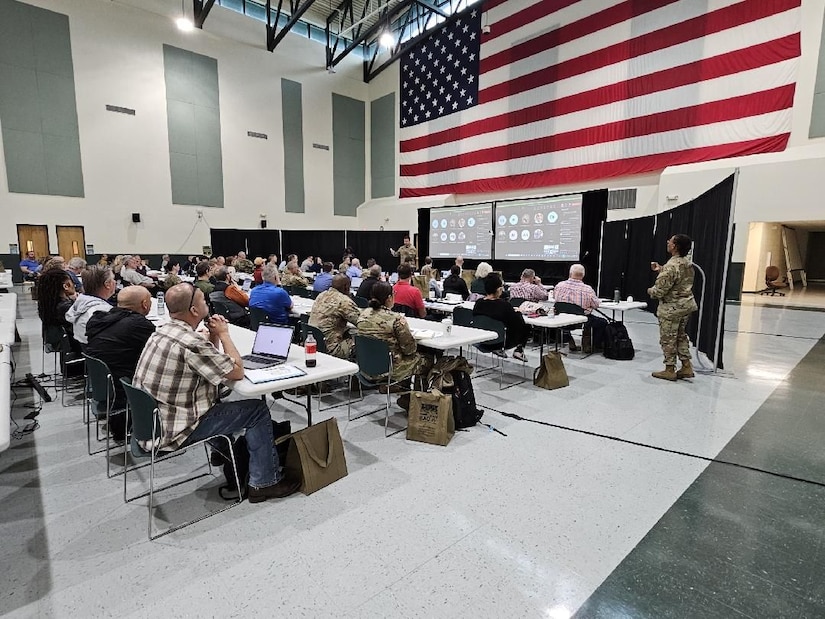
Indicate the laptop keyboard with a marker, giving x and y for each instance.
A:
(259, 359)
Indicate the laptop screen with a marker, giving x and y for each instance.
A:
(273, 340)
(356, 283)
(247, 284)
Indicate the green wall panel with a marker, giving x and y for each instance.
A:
(382, 146)
(193, 119)
(38, 110)
(293, 130)
(348, 154)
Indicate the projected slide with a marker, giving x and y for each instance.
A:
(464, 231)
(546, 228)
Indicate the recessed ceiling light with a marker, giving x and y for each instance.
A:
(184, 24)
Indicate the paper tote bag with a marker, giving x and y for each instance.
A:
(317, 455)
(431, 418)
(551, 373)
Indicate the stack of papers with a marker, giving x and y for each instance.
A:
(425, 334)
(278, 372)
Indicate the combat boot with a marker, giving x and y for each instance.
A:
(669, 373)
(686, 371)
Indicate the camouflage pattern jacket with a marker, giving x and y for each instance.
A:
(674, 288)
(331, 313)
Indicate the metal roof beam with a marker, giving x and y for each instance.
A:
(364, 36)
(273, 35)
(201, 11)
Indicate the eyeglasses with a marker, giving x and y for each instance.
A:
(192, 300)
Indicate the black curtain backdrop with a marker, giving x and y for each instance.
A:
(640, 248)
(594, 212)
(614, 258)
(329, 244)
(376, 244)
(228, 242)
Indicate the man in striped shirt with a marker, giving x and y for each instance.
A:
(529, 288)
(575, 291)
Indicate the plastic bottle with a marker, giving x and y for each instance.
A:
(617, 296)
(311, 349)
(161, 304)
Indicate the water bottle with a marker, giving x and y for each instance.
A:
(161, 304)
(448, 326)
(617, 296)
(311, 349)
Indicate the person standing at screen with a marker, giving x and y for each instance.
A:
(674, 289)
(406, 253)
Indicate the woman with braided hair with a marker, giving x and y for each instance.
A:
(55, 295)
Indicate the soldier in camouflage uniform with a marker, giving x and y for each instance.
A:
(243, 264)
(380, 322)
(674, 289)
(331, 313)
(293, 276)
(406, 253)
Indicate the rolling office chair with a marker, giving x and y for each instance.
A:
(773, 282)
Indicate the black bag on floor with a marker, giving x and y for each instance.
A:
(465, 411)
(229, 491)
(617, 343)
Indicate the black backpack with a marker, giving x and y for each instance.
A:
(229, 491)
(617, 343)
(465, 411)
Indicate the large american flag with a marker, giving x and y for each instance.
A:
(567, 91)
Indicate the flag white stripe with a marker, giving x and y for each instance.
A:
(726, 87)
(761, 31)
(750, 128)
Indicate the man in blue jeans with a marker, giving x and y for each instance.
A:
(183, 371)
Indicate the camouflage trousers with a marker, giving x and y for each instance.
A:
(673, 339)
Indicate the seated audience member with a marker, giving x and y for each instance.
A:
(220, 261)
(293, 277)
(55, 262)
(323, 280)
(345, 264)
(171, 280)
(482, 270)
(427, 269)
(273, 259)
(74, 269)
(173, 267)
(243, 264)
(117, 338)
(529, 287)
(270, 297)
(574, 290)
(306, 265)
(380, 322)
(140, 265)
(407, 294)
(290, 258)
(257, 273)
(203, 271)
(494, 306)
(455, 284)
(55, 296)
(104, 260)
(354, 269)
(164, 263)
(228, 293)
(130, 275)
(318, 266)
(100, 286)
(373, 276)
(434, 283)
(188, 266)
(30, 266)
(183, 370)
(117, 267)
(332, 313)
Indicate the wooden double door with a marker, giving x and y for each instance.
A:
(71, 241)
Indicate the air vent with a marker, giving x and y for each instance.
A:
(321, 146)
(255, 134)
(120, 110)
(621, 199)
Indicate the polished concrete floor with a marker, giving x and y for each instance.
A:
(619, 496)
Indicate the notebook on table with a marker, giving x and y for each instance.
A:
(271, 346)
(279, 372)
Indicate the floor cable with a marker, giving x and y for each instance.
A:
(685, 454)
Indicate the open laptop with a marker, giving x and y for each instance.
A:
(355, 283)
(271, 346)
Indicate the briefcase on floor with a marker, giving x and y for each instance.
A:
(316, 454)
(551, 373)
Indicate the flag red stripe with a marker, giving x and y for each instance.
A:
(569, 32)
(744, 59)
(540, 10)
(692, 116)
(607, 169)
(692, 29)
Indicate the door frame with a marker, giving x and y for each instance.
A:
(23, 248)
(82, 245)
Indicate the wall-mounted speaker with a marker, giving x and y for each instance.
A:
(136, 218)
(263, 223)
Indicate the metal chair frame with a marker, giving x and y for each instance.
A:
(491, 324)
(134, 395)
(100, 387)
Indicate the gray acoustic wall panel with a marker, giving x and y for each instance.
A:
(292, 116)
(38, 111)
(382, 146)
(194, 121)
(348, 154)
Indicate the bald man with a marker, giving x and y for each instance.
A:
(117, 338)
(183, 371)
(575, 291)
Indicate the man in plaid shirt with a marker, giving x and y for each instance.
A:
(575, 291)
(529, 288)
(183, 371)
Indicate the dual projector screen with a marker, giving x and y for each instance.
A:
(539, 229)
